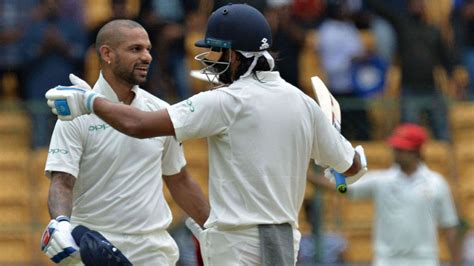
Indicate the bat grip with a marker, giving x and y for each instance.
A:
(341, 185)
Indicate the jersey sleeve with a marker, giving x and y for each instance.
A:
(205, 114)
(330, 148)
(446, 215)
(173, 157)
(65, 149)
(365, 187)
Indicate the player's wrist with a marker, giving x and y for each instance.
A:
(62, 218)
(363, 165)
(89, 99)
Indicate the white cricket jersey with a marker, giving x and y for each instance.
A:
(408, 211)
(261, 136)
(119, 185)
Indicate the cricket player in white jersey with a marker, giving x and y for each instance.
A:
(411, 203)
(262, 133)
(110, 182)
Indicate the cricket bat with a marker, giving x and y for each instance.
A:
(332, 111)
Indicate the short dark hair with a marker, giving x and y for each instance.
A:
(262, 65)
(110, 33)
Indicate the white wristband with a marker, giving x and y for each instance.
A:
(89, 99)
(61, 218)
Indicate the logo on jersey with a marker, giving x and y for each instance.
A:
(57, 151)
(99, 127)
(264, 44)
(190, 105)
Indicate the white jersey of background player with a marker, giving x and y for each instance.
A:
(113, 181)
(262, 133)
(411, 203)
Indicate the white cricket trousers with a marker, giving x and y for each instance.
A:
(235, 247)
(157, 248)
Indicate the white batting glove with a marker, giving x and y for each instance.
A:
(57, 242)
(69, 102)
(329, 175)
(194, 227)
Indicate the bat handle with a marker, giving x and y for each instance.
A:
(341, 185)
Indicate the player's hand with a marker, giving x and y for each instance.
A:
(69, 102)
(363, 168)
(57, 242)
(329, 173)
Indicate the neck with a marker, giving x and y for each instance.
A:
(122, 89)
(409, 169)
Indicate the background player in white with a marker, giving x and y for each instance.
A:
(111, 182)
(262, 133)
(411, 202)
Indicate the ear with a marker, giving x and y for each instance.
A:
(106, 53)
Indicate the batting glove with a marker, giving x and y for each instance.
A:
(194, 227)
(69, 102)
(57, 242)
(328, 173)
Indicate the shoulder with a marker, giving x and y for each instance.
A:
(326, 24)
(234, 91)
(151, 101)
(435, 177)
(76, 124)
(73, 131)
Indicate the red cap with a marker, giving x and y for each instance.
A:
(408, 137)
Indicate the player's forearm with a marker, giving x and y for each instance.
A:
(193, 202)
(60, 194)
(189, 196)
(355, 167)
(453, 245)
(132, 121)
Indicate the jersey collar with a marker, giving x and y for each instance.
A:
(419, 172)
(103, 87)
(264, 76)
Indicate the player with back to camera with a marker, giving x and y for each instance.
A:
(113, 183)
(261, 131)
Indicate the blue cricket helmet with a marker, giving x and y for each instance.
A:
(96, 250)
(237, 26)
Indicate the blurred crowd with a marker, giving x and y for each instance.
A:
(44, 40)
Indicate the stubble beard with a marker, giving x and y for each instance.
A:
(128, 76)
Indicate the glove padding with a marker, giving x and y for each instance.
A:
(351, 179)
(57, 242)
(69, 102)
